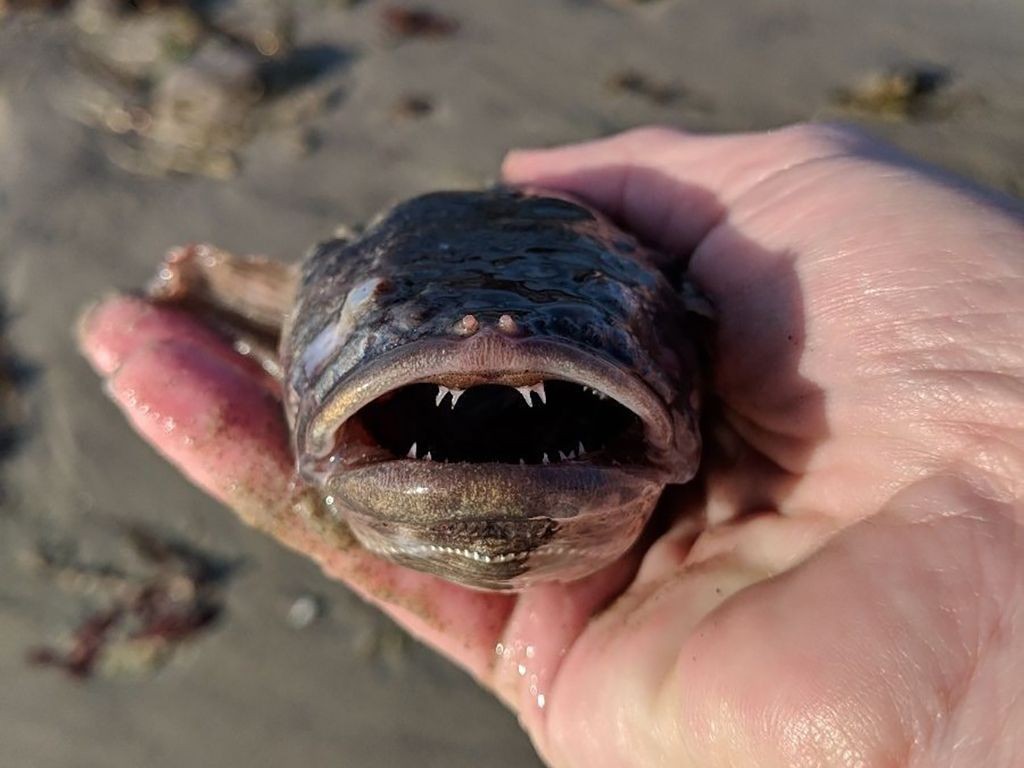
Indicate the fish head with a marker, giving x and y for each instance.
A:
(494, 386)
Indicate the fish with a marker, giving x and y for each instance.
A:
(494, 386)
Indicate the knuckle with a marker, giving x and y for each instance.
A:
(819, 139)
(649, 135)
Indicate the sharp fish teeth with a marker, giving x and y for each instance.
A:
(441, 394)
(562, 456)
(525, 392)
(539, 389)
(580, 450)
(412, 452)
(456, 394)
(546, 460)
(426, 456)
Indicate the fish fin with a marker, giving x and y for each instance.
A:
(245, 297)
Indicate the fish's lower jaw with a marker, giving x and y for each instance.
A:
(504, 571)
(428, 551)
(507, 553)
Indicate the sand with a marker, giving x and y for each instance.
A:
(375, 118)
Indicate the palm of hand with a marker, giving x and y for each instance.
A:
(868, 315)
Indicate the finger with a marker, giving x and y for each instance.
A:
(113, 329)
(668, 187)
(543, 626)
(215, 423)
(226, 433)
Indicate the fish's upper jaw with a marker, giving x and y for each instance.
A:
(488, 399)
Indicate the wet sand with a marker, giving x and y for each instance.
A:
(371, 117)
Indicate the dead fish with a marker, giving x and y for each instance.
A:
(492, 386)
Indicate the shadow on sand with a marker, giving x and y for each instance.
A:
(15, 377)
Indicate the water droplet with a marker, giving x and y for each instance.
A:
(304, 611)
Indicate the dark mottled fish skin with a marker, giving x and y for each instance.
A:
(562, 272)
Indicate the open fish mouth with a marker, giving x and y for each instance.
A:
(495, 462)
(541, 423)
(491, 401)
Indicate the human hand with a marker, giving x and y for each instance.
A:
(848, 589)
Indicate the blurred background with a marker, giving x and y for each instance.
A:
(129, 126)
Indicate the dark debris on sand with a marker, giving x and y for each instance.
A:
(179, 86)
(15, 376)
(418, 21)
(637, 83)
(412, 106)
(908, 92)
(146, 613)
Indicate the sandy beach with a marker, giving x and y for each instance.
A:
(334, 110)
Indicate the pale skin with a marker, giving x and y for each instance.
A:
(847, 589)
